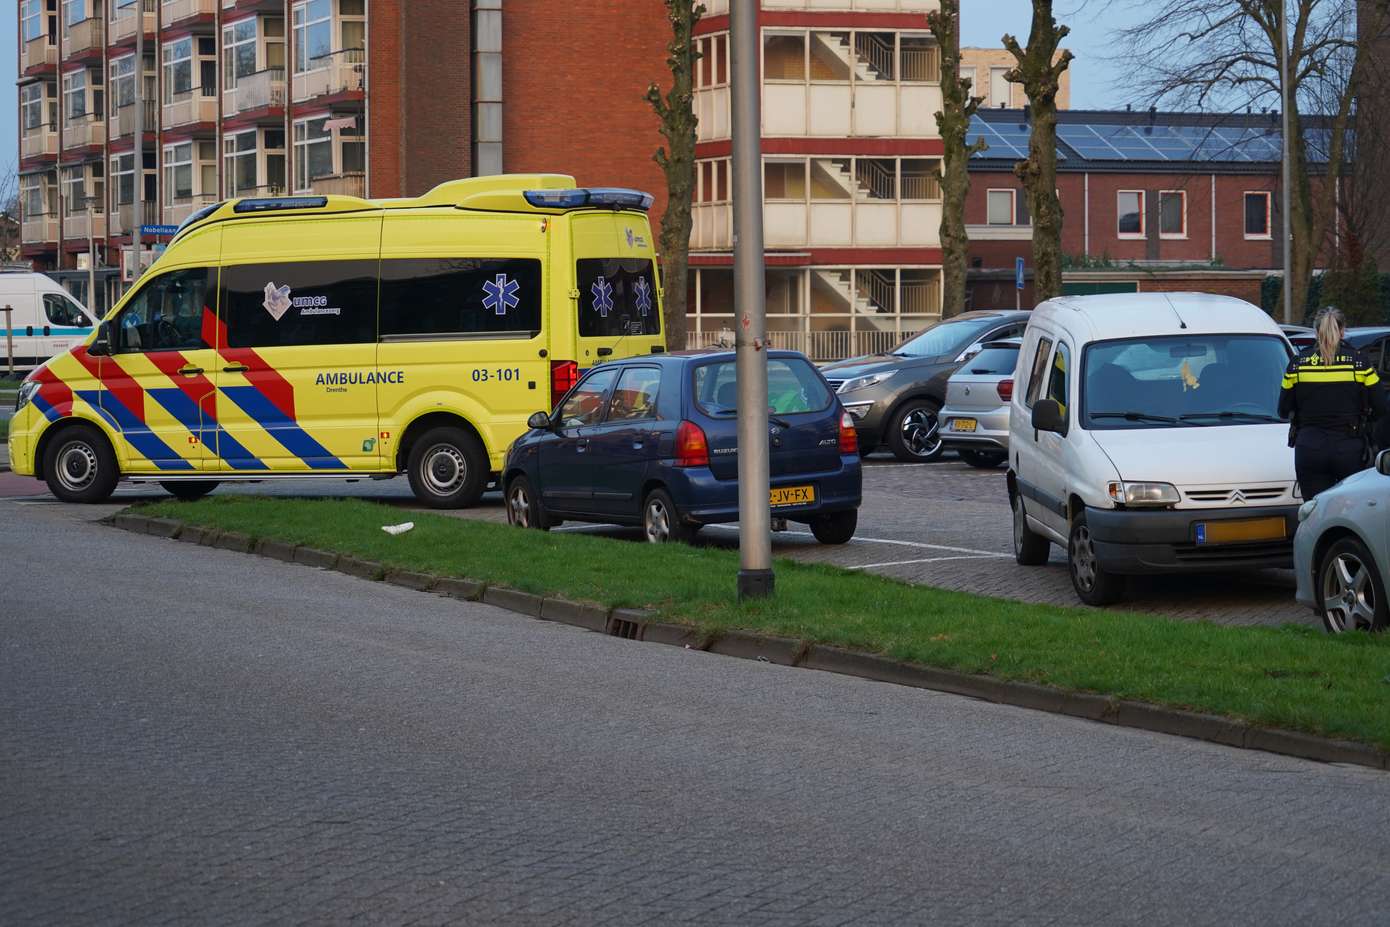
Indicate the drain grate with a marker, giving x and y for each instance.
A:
(627, 630)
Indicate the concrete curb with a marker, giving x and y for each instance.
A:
(641, 625)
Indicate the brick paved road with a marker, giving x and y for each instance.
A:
(943, 524)
(196, 736)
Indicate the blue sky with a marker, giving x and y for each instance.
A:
(984, 21)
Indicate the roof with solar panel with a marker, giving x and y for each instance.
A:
(1124, 141)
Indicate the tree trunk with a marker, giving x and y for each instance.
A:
(1039, 70)
(957, 106)
(677, 160)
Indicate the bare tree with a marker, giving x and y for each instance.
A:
(9, 214)
(1039, 69)
(958, 105)
(678, 124)
(1226, 53)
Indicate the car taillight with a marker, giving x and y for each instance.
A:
(1005, 389)
(563, 376)
(849, 438)
(692, 450)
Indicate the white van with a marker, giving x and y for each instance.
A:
(46, 319)
(1144, 437)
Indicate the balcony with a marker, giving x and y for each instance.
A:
(257, 91)
(84, 38)
(123, 26)
(190, 108)
(129, 216)
(37, 52)
(184, 206)
(80, 225)
(264, 190)
(179, 10)
(126, 117)
(38, 143)
(341, 72)
(39, 229)
(84, 131)
(347, 184)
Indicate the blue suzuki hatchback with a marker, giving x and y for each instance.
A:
(653, 441)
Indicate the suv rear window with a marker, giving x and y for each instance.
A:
(793, 386)
(617, 297)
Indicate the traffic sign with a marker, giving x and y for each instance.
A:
(158, 229)
(1018, 273)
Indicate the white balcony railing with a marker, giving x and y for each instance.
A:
(36, 52)
(84, 36)
(184, 206)
(179, 10)
(190, 107)
(130, 215)
(39, 229)
(84, 131)
(123, 26)
(256, 91)
(35, 143)
(341, 72)
(825, 224)
(81, 225)
(348, 184)
(126, 118)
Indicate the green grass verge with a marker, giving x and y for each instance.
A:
(4, 429)
(1292, 678)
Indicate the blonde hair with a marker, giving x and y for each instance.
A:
(1331, 324)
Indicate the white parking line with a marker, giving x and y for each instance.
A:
(893, 563)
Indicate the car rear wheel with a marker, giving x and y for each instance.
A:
(914, 432)
(983, 460)
(189, 490)
(835, 528)
(1351, 594)
(1094, 585)
(447, 468)
(1030, 548)
(524, 508)
(80, 466)
(662, 522)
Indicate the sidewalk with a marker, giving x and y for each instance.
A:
(4, 457)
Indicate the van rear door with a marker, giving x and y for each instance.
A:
(618, 307)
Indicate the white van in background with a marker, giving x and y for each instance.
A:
(46, 319)
(1144, 437)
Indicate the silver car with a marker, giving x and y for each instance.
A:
(975, 418)
(1342, 551)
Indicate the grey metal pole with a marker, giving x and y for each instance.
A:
(138, 207)
(1288, 166)
(755, 578)
(92, 257)
(9, 338)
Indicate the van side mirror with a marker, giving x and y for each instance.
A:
(1048, 416)
(101, 347)
(1383, 463)
(540, 421)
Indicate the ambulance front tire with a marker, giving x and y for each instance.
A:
(448, 468)
(189, 490)
(79, 465)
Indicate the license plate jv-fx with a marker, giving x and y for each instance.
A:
(793, 495)
(1242, 531)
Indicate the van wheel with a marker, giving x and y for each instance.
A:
(835, 528)
(983, 460)
(189, 490)
(447, 468)
(661, 522)
(914, 432)
(1094, 585)
(80, 466)
(1030, 548)
(524, 508)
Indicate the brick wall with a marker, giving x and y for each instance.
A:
(976, 64)
(437, 77)
(384, 134)
(574, 78)
(1372, 192)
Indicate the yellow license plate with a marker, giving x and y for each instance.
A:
(964, 424)
(1246, 529)
(793, 495)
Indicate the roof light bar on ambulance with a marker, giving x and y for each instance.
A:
(597, 197)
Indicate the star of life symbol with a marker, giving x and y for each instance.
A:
(603, 296)
(499, 295)
(630, 237)
(277, 300)
(644, 296)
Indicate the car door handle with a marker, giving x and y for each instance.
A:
(582, 445)
(190, 371)
(235, 368)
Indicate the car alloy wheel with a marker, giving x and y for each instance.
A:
(921, 432)
(656, 521)
(519, 505)
(1083, 558)
(1348, 594)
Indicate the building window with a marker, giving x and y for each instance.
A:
(123, 178)
(178, 173)
(31, 105)
(239, 43)
(784, 56)
(178, 68)
(313, 35)
(31, 15)
(32, 195)
(353, 24)
(713, 181)
(313, 152)
(1172, 214)
(75, 95)
(1001, 207)
(1257, 215)
(122, 82)
(713, 70)
(76, 189)
(246, 162)
(998, 87)
(1130, 204)
(74, 11)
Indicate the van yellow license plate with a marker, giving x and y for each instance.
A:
(1242, 531)
(793, 495)
(964, 424)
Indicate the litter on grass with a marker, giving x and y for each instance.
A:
(398, 529)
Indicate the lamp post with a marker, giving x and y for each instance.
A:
(91, 202)
(1287, 152)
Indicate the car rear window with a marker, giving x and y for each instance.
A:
(996, 361)
(793, 386)
(617, 297)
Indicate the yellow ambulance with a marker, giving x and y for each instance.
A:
(332, 336)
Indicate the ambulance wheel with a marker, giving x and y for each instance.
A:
(80, 466)
(189, 490)
(447, 468)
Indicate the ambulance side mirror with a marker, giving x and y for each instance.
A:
(540, 421)
(101, 347)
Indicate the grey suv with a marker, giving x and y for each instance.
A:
(895, 397)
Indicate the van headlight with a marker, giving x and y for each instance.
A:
(1143, 494)
(857, 383)
(27, 389)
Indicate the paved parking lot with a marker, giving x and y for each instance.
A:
(942, 524)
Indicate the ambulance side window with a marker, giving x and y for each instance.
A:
(300, 303)
(167, 313)
(452, 297)
(617, 297)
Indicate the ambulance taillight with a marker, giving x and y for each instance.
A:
(563, 376)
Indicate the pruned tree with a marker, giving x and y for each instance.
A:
(958, 105)
(676, 110)
(1039, 69)
(1227, 54)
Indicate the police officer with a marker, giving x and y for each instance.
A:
(1330, 394)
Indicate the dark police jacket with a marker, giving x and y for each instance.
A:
(1338, 397)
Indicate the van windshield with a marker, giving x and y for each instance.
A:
(1183, 381)
(793, 386)
(617, 297)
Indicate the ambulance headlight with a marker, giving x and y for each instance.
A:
(27, 389)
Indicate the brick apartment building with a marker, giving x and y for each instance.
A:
(987, 66)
